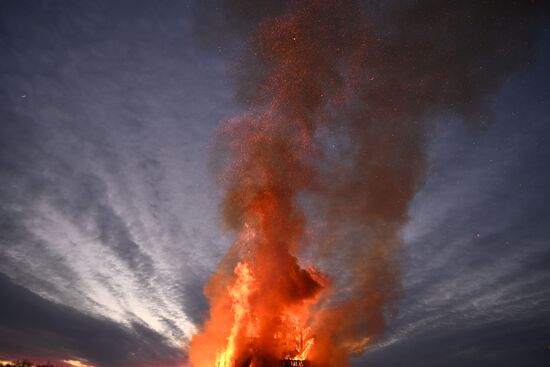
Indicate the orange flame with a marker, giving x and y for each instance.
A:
(240, 293)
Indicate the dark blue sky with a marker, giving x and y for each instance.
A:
(109, 220)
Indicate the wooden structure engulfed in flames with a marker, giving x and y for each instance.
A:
(287, 341)
(295, 354)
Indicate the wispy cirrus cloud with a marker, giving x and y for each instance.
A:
(104, 167)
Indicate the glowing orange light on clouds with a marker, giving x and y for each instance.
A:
(77, 363)
(66, 362)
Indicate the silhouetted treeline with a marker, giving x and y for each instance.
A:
(26, 363)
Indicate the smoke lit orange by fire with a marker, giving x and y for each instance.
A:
(319, 172)
(265, 304)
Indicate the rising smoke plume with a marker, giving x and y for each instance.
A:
(340, 98)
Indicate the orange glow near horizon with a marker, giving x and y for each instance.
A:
(76, 363)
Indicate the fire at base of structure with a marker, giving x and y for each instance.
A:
(294, 363)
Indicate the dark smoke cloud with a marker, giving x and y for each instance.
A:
(421, 60)
(436, 55)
